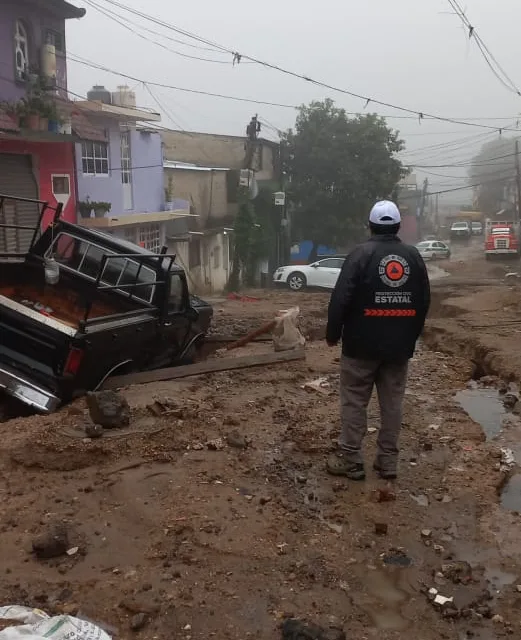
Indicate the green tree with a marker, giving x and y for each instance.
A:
(338, 167)
(494, 170)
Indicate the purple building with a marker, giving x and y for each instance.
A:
(119, 163)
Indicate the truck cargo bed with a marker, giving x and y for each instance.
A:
(57, 302)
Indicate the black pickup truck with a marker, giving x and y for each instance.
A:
(77, 306)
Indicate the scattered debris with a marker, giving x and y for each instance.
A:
(443, 601)
(458, 571)
(293, 629)
(72, 551)
(53, 543)
(138, 621)
(216, 444)
(397, 557)
(267, 327)
(385, 495)
(426, 534)
(236, 440)
(108, 409)
(322, 385)
(507, 459)
(93, 430)
(420, 499)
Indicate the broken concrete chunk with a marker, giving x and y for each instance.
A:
(426, 533)
(443, 601)
(53, 543)
(108, 409)
(457, 571)
(215, 445)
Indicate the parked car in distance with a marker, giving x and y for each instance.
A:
(460, 230)
(476, 228)
(433, 250)
(323, 273)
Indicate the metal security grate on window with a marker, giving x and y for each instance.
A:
(150, 237)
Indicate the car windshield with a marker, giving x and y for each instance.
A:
(460, 225)
(423, 245)
(501, 230)
(476, 225)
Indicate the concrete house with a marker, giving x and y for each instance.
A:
(119, 168)
(36, 119)
(203, 170)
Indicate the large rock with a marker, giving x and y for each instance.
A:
(109, 409)
(53, 543)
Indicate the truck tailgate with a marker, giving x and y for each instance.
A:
(32, 343)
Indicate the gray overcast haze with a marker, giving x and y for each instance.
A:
(409, 53)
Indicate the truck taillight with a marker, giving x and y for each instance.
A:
(73, 361)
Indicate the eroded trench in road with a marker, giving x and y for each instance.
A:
(491, 398)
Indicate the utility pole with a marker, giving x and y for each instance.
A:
(518, 183)
(243, 225)
(422, 208)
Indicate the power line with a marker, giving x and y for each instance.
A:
(238, 57)
(94, 65)
(484, 50)
(125, 23)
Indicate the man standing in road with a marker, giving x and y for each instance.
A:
(378, 308)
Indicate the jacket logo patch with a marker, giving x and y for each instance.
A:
(394, 271)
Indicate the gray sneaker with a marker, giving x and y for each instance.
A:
(339, 465)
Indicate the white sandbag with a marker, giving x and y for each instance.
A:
(39, 626)
(286, 334)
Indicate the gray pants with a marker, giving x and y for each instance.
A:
(357, 379)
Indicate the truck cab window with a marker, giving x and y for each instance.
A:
(176, 298)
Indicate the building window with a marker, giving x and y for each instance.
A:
(217, 257)
(95, 158)
(57, 39)
(21, 48)
(150, 237)
(126, 166)
(61, 185)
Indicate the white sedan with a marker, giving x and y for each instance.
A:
(323, 273)
(433, 250)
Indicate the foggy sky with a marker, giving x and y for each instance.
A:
(408, 52)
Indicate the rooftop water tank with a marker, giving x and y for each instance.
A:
(124, 97)
(99, 93)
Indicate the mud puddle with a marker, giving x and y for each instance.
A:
(386, 596)
(435, 273)
(484, 406)
(511, 494)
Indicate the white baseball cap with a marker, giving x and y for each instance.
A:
(385, 212)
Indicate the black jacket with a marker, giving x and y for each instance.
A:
(380, 300)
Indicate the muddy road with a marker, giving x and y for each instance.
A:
(217, 519)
